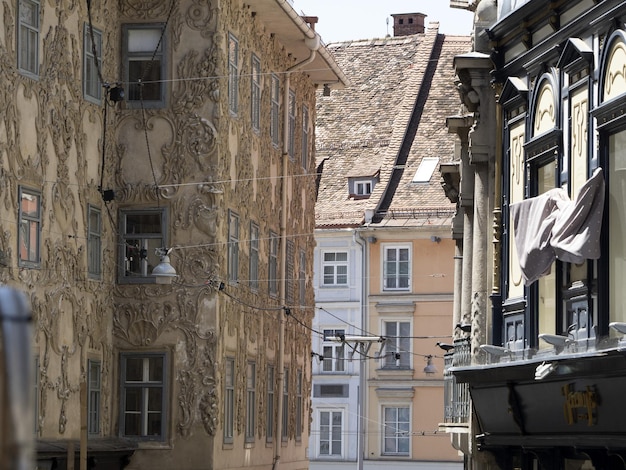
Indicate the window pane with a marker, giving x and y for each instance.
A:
(155, 397)
(143, 223)
(149, 73)
(143, 40)
(134, 369)
(154, 424)
(132, 424)
(329, 274)
(342, 274)
(30, 205)
(133, 399)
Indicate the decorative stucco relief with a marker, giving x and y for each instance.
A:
(144, 9)
(199, 16)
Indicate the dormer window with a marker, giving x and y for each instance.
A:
(361, 187)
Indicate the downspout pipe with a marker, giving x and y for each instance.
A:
(358, 238)
(313, 43)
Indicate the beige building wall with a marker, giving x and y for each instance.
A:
(427, 305)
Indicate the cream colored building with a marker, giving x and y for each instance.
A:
(210, 155)
(384, 262)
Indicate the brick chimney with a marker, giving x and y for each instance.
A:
(408, 23)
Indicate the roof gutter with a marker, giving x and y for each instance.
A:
(342, 79)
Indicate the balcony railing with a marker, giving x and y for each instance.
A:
(456, 395)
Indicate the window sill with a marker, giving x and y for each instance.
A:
(163, 445)
(391, 373)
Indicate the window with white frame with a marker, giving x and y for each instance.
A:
(233, 74)
(144, 63)
(28, 36)
(397, 429)
(273, 265)
(269, 410)
(363, 188)
(233, 247)
(305, 138)
(94, 242)
(335, 268)
(229, 400)
(397, 351)
(142, 233)
(143, 396)
(250, 401)
(291, 146)
(396, 267)
(255, 93)
(92, 60)
(94, 371)
(254, 256)
(333, 352)
(275, 110)
(29, 235)
(331, 433)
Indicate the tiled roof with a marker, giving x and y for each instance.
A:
(360, 130)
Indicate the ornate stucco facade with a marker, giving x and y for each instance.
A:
(211, 155)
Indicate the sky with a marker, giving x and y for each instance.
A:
(344, 20)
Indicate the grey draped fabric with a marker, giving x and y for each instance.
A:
(551, 226)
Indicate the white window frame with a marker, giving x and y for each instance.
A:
(142, 245)
(329, 434)
(335, 265)
(94, 242)
(28, 39)
(233, 74)
(133, 96)
(29, 233)
(255, 93)
(275, 110)
(390, 430)
(397, 344)
(363, 187)
(146, 384)
(398, 275)
(334, 353)
(92, 88)
(233, 247)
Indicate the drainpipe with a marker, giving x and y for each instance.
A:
(313, 44)
(362, 384)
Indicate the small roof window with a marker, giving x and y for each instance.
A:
(425, 170)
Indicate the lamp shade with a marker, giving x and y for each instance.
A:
(164, 271)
